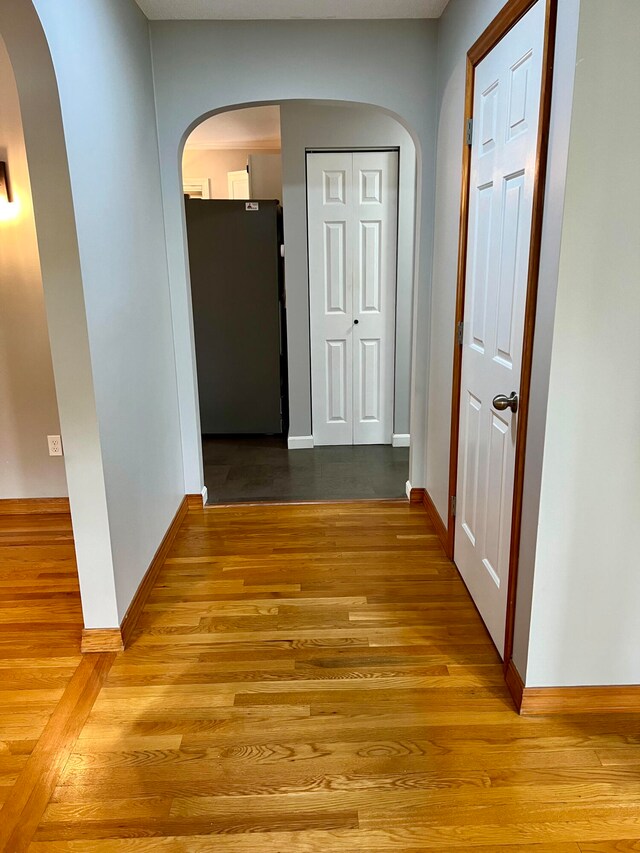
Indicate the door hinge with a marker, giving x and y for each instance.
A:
(454, 505)
(469, 131)
(460, 332)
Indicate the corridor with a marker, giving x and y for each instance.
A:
(305, 678)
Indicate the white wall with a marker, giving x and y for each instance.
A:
(390, 64)
(585, 627)
(307, 125)
(214, 164)
(460, 25)
(64, 300)
(28, 408)
(559, 128)
(266, 174)
(101, 55)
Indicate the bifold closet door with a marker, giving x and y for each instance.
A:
(352, 200)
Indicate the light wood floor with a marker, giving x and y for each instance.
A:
(315, 678)
(40, 627)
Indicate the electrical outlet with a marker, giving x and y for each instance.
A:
(55, 445)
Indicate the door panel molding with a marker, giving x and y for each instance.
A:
(239, 184)
(506, 19)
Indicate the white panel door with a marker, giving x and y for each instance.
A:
(375, 201)
(330, 224)
(352, 222)
(238, 184)
(503, 156)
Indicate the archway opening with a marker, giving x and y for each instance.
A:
(51, 205)
(303, 326)
(41, 607)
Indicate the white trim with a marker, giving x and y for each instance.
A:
(407, 489)
(201, 184)
(205, 495)
(299, 442)
(400, 439)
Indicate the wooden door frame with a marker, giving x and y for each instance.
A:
(504, 21)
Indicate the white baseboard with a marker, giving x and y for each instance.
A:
(300, 442)
(400, 439)
(303, 442)
(205, 496)
(407, 489)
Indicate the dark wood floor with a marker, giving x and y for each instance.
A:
(261, 468)
(306, 678)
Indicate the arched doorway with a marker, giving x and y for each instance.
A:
(57, 244)
(334, 128)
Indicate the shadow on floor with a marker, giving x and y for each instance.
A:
(261, 468)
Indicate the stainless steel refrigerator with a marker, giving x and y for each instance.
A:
(238, 311)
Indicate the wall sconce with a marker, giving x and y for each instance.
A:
(9, 206)
(5, 187)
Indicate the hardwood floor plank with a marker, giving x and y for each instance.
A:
(253, 822)
(133, 807)
(266, 786)
(304, 842)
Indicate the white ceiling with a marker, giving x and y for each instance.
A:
(261, 10)
(253, 127)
